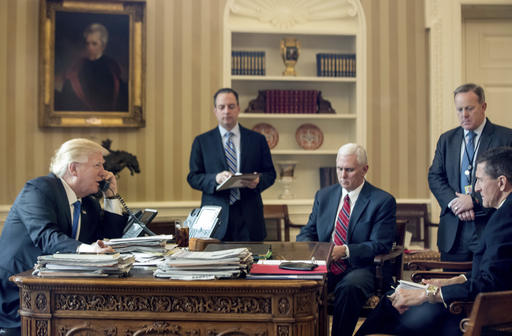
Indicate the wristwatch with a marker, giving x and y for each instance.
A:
(431, 292)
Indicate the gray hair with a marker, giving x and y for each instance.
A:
(74, 150)
(354, 149)
(97, 28)
(470, 87)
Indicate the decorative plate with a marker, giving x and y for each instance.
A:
(309, 136)
(269, 132)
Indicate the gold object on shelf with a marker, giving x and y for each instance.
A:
(290, 51)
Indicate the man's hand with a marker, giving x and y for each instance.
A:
(222, 176)
(111, 179)
(97, 247)
(338, 252)
(251, 184)
(462, 206)
(402, 298)
(445, 282)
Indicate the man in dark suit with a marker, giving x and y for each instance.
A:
(423, 311)
(223, 151)
(371, 216)
(451, 176)
(46, 219)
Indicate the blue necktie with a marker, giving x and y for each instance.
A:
(76, 217)
(229, 149)
(467, 169)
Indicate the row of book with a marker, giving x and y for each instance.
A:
(335, 65)
(291, 101)
(251, 63)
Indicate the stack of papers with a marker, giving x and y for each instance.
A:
(153, 244)
(269, 270)
(187, 265)
(83, 265)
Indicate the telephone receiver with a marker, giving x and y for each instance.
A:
(104, 185)
(202, 222)
(134, 224)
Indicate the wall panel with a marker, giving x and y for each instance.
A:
(184, 46)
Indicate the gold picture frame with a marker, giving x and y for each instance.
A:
(92, 63)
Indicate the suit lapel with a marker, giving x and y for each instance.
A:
(455, 148)
(217, 141)
(62, 198)
(359, 207)
(485, 138)
(243, 144)
(334, 203)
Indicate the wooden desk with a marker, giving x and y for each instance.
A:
(143, 305)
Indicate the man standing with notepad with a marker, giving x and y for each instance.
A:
(222, 152)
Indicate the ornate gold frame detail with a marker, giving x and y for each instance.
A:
(134, 116)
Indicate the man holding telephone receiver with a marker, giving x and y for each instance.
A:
(57, 213)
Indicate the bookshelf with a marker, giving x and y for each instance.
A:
(330, 26)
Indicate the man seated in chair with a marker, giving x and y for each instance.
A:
(360, 219)
(424, 312)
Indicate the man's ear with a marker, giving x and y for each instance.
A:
(73, 168)
(502, 182)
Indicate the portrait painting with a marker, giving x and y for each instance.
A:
(92, 58)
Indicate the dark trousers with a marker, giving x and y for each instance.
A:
(237, 227)
(465, 243)
(426, 319)
(351, 290)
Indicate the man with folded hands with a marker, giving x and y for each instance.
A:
(361, 221)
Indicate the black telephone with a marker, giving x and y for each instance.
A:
(134, 224)
(104, 185)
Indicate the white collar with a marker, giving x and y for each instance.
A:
(69, 192)
(235, 130)
(354, 194)
(478, 130)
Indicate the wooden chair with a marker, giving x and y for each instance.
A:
(419, 221)
(490, 315)
(423, 269)
(276, 219)
(388, 269)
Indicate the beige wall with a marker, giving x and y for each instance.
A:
(184, 46)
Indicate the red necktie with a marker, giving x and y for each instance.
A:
(340, 235)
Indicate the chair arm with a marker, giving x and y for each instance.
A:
(393, 254)
(458, 307)
(418, 275)
(430, 264)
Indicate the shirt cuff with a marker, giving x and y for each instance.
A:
(442, 299)
(450, 204)
(347, 253)
(113, 205)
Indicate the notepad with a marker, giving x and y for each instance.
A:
(236, 181)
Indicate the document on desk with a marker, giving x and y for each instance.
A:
(236, 181)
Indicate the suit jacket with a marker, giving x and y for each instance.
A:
(492, 262)
(444, 176)
(371, 228)
(39, 223)
(207, 159)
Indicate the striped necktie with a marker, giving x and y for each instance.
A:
(230, 151)
(340, 235)
(466, 168)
